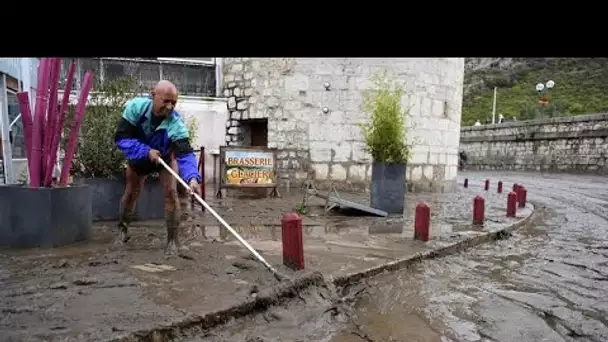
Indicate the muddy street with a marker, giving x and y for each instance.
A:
(546, 282)
(99, 291)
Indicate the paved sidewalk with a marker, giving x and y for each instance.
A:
(97, 291)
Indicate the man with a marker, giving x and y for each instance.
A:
(501, 118)
(151, 129)
(462, 159)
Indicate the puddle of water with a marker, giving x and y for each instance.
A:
(411, 328)
(349, 228)
(389, 230)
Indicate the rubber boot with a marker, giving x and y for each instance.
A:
(173, 245)
(126, 216)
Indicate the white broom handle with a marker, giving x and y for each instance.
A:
(218, 217)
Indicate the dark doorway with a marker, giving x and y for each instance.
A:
(258, 130)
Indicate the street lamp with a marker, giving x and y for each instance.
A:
(543, 89)
(540, 87)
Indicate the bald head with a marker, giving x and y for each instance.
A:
(165, 87)
(164, 98)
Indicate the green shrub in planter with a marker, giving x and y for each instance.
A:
(97, 156)
(385, 138)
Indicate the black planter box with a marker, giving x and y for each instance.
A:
(108, 192)
(388, 187)
(44, 217)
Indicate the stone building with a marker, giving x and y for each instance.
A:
(309, 108)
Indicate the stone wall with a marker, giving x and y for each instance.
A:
(564, 144)
(290, 94)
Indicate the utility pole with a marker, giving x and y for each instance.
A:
(494, 108)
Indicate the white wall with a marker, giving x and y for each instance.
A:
(211, 115)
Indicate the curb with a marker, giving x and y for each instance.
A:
(192, 323)
(267, 298)
(454, 248)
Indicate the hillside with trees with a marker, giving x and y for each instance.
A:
(581, 87)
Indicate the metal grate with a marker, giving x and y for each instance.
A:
(147, 73)
(192, 79)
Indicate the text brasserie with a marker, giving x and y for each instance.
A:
(250, 161)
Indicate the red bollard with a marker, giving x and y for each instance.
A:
(521, 196)
(511, 204)
(293, 244)
(466, 182)
(518, 191)
(422, 222)
(499, 190)
(487, 186)
(478, 209)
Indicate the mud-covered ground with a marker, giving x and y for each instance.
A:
(96, 290)
(547, 282)
(108, 290)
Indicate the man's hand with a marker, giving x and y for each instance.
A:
(196, 188)
(154, 155)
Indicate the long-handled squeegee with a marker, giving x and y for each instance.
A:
(277, 275)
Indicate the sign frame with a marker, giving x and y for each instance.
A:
(222, 168)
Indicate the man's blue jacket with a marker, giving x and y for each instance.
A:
(135, 137)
